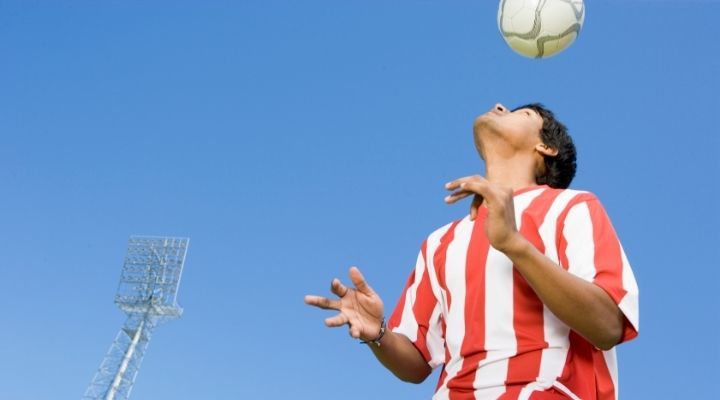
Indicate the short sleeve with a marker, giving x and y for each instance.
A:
(418, 314)
(590, 249)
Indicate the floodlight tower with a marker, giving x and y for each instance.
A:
(148, 295)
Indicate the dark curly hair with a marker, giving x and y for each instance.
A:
(559, 169)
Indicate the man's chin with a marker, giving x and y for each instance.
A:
(485, 122)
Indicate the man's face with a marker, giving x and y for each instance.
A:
(520, 129)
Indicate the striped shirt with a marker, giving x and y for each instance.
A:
(466, 308)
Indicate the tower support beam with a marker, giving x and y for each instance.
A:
(147, 294)
(115, 386)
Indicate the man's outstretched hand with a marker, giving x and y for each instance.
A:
(360, 307)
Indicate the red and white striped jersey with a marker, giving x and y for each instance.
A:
(465, 307)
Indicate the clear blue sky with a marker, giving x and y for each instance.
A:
(292, 139)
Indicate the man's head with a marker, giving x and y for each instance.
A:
(530, 130)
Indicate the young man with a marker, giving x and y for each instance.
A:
(526, 297)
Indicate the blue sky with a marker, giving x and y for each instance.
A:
(290, 140)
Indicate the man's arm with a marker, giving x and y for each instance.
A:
(583, 306)
(362, 310)
(397, 353)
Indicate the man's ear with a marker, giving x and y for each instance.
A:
(546, 150)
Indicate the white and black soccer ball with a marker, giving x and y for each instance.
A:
(540, 28)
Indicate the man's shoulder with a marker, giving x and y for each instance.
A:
(564, 203)
(570, 196)
(436, 235)
(547, 205)
(571, 191)
(562, 200)
(441, 231)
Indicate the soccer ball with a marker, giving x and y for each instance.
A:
(540, 28)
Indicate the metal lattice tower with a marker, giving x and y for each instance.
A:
(148, 295)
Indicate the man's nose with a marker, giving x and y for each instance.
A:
(501, 108)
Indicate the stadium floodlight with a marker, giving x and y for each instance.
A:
(148, 295)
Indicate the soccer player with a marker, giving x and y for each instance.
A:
(524, 298)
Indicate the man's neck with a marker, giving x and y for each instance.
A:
(516, 173)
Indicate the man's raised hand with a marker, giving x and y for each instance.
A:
(360, 307)
(500, 224)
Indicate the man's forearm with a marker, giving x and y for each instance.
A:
(582, 305)
(400, 356)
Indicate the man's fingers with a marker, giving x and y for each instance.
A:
(477, 187)
(454, 184)
(454, 197)
(322, 302)
(359, 281)
(466, 186)
(338, 320)
(476, 203)
(355, 330)
(338, 288)
(457, 183)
